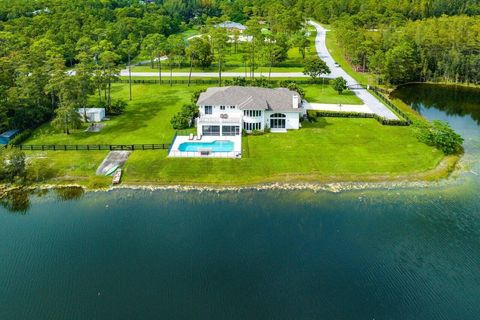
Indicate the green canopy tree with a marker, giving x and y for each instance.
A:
(66, 116)
(301, 41)
(129, 47)
(109, 63)
(219, 40)
(199, 53)
(175, 51)
(339, 84)
(155, 45)
(315, 67)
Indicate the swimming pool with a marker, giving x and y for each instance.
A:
(214, 146)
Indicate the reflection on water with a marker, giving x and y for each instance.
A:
(411, 253)
(392, 254)
(459, 106)
(16, 201)
(69, 193)
(451, 100)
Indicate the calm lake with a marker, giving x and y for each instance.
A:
(404, 253)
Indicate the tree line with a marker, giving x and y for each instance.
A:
(443, 49)
(43, 40)
(54, 54)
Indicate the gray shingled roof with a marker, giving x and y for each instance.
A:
(231, 25)
(249, 98)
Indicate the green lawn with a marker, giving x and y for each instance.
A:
(146, 119)
(328, 150)
(234, 60)
(326, 94)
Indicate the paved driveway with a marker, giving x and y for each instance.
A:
(370, 100)
(361, 108)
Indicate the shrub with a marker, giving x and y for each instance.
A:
(196, 95)
(257, 133)
(261, 82)
(237, 81)
(184, 118)
(243, 82)
(179, 122)
(117, 107)
(292, 85)
(101, 104)
(12, 165)
(21, 137)
(39, 170)
(440, 135)
(339, 84)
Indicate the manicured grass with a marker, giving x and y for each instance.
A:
(146, 119)
(72, 167)
(328, 150)
(326, 94)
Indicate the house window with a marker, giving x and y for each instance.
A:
(208, 109)
(211, 130)
(222, 107)
(232, 107)
(252, 113)
(277, 121)
(247, 126)
(230, 130)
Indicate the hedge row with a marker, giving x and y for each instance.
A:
(213, 81)
(313, 114)
(21, 137)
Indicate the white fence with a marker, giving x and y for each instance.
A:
(211, 154)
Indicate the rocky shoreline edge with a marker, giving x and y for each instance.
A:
(333, 187)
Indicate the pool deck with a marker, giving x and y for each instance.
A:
(236, 153)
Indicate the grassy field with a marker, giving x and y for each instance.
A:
(234, 60)
(326, 94)
(328, 150)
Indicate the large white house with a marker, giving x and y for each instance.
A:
(225, 111)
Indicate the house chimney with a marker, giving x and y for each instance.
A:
(295, 101)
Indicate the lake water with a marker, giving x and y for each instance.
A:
(404, 253)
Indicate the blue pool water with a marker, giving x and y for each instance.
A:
(215, 146)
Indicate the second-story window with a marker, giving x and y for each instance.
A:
(208, 109)
(232, 107)
(222, 107)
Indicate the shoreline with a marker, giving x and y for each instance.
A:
(449, 167)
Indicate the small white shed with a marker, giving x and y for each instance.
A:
(93, 114)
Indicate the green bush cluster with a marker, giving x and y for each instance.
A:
(184, 119)
(117, 106)
(441, 135)
(244, 82)
(21, 137)
(313, 114)
(12, 165)
(196, 94)
(292, 85)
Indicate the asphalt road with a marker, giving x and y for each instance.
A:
(368, 99)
